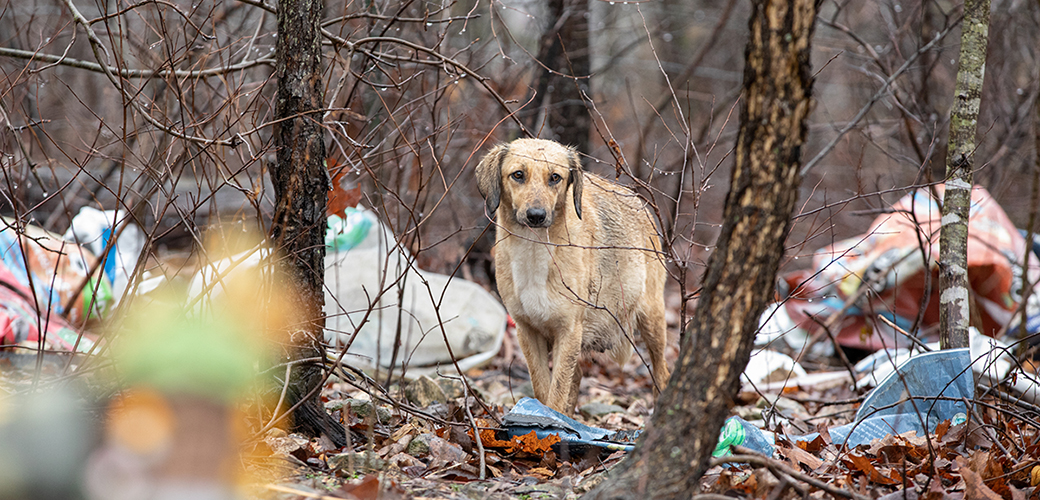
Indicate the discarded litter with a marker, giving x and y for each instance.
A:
(882, 272)
(391, 314)
(46, 286)
(354, 230)
(381, 307)
(739, 432)
(576, 438)
(770, 366)
(96, 229)
(925, 390)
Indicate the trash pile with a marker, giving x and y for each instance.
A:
(389, 314)
(383, 310)
(888, 271)
(58, 284)
(879, 292)
(384, 313)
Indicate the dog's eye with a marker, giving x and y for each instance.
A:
(555, 178)
(518, 175)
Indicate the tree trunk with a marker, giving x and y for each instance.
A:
(954, 302)
(301, 184)
(673, 452)
(564, 49)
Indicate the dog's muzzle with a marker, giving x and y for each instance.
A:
(536, 217)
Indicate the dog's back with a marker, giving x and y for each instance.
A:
(628, 274)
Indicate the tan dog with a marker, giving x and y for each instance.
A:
(577, 263)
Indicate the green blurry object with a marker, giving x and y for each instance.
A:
(213, 355)
(97, 297)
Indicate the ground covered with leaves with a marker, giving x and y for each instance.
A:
(417, 440)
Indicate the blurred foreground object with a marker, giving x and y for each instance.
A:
(175, 431)
(46, 438)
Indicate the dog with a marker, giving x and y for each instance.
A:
(578, 264)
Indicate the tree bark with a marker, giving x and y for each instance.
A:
(673, 452)
(301, 183)
(954, 302)
(559, 84)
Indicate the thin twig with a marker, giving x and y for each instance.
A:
(881, 92)
(776, 466)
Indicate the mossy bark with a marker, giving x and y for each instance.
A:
(673, 452)
(301, 183)
(954, 301)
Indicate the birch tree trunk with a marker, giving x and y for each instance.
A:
(954, 300)
(301, 183)
(673, 452)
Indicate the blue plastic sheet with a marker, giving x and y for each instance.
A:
(576, 438)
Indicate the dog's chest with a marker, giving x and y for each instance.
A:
(530, 268)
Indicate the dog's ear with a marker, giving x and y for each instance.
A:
(575, 180)
(489, 176)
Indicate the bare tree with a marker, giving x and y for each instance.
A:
(741, 272)
(301, 184)
(562, 76)
(954, 301)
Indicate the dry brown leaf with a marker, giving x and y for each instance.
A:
(813, 446)
(542, 472)
(339, 198)
(863, 465)
(935, 491)
(975, 488)
(1017, 494)
(531, 443)
(940, 430)
(367, 488)
(528, 443)
(799, 456)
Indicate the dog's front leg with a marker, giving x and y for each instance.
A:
(536, 352)
(566, 351)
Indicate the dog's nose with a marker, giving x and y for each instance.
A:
(535, 216)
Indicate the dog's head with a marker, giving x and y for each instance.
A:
(528, 179)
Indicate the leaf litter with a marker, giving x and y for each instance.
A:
(433, 451)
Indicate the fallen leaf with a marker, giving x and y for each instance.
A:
(366, 488)
(527, 443)
(799, 456)
(813, 446)
(863, 465)
(940, 430)
(542, 472)
(1017, 494)
(975, 488)
(531, 443)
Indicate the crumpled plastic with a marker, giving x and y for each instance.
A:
(427, 318)
(55, 284)
(576, 438)
(40, 273)
(888, 259)
(921, 392)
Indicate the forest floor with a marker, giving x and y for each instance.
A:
(420, 445)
